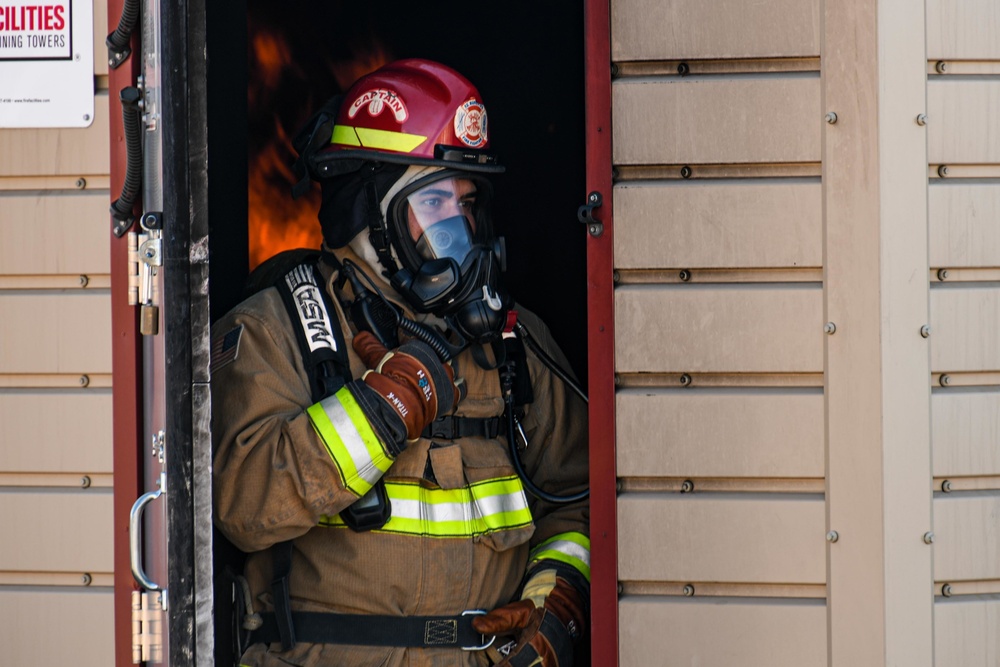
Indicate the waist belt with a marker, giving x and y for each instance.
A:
(368, 630)
(451, 427)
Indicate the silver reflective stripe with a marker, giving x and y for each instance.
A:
(569, 548)
(512, 502)
(353, 442)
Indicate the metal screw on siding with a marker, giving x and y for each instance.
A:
(829, 328)
(929, 537)
(85, 482)
(81, 183)
(618, 380)
(688, 590)
(946, 590)
(614, 70)
(685, 380)
(683, 69)
(615, 174)
(925, 331)
(946, 486)
(84, 380)
(832, 536)
(84, 281)
(942, 274)
(616, 277)
(684, 275)
(685, 172)
(945, 380)
(941, 67)
(619, 486)
(687, 486)
(943, 170)
(86, 579)
(621, 589)
(921, 119)
(831, 117)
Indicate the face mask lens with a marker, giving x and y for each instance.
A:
(448, 238)
(440, 218)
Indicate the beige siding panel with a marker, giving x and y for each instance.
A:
(721, 633)
(717, 120)
(691, 538)
(967, 537)
(53, 332)
(967, 632)
(51, 626)
(713, 225)
(33, 428)
(100, 34)
(710, 433)
(52, 531)
(711, 328)
(59, 152)
(963, 127)
(965, 432)
(963, 29)
(964, 322)
(657, 30)
(964, 224)
(54, 233)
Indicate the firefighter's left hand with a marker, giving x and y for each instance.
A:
(543, 634)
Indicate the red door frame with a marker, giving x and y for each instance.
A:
(601, 336)
(126, 364)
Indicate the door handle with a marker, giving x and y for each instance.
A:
(135, 534)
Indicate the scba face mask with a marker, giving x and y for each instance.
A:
(451, 261)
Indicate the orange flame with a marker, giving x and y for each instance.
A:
(276, 221)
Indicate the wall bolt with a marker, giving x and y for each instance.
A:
(685, 172)
(688, 590)
(84, 380)
(829, 328)
(86, 579)
(943, 170)
(946, 590)
(929, 537)
(946, 486)
(941, 67)
(618, 380)
(84, 281)
(85, 482)
(831, 118)
(684, 275)
(685, 380)
(614, 70)
(945, 380)
(832, 536)
(595, 230)
(81, 183)
(925, 331)
(687, 486)
(621, 589)
(921, 119)
(683, 69)
(619, 486)
(942, 274)
(616, 277)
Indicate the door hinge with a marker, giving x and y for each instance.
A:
(148, 612)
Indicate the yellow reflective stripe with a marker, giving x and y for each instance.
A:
(478, 509)
(368, 137)
(350, 440)
(570, 548)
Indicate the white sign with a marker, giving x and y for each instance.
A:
(46, 63)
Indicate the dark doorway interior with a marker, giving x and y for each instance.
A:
(525, 58)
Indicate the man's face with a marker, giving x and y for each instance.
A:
(439, 201)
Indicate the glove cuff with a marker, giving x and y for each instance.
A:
(385, 421)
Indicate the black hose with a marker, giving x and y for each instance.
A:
(118, 41)
(121, 208)
(550, 362)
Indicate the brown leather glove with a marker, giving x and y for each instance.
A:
(411, 380)
(542, 635)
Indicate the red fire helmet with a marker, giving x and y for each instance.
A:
(412, 112)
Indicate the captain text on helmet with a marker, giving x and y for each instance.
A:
(398, 448)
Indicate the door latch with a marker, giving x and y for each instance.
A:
(585, 214)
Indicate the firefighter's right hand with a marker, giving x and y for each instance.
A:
(411, 381)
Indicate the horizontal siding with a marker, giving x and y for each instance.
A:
(965, 430)
(964, 224)
(57, 627)
(55, 332)
(718, 224)
(779, 538)
(967, 632)
(964, 322)
(700, 29)
(699, 328)
(963, 127)
(59, 233)
(716, 120)
(963, 30)
(56, 531)
(967, 537)
(33, 429)
(728, 433)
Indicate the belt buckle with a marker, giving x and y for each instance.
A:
(487, 644)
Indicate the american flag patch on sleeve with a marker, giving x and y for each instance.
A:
(225, 349)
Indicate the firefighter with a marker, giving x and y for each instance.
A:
(387, 519)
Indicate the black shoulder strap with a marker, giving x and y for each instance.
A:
(523, 393)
